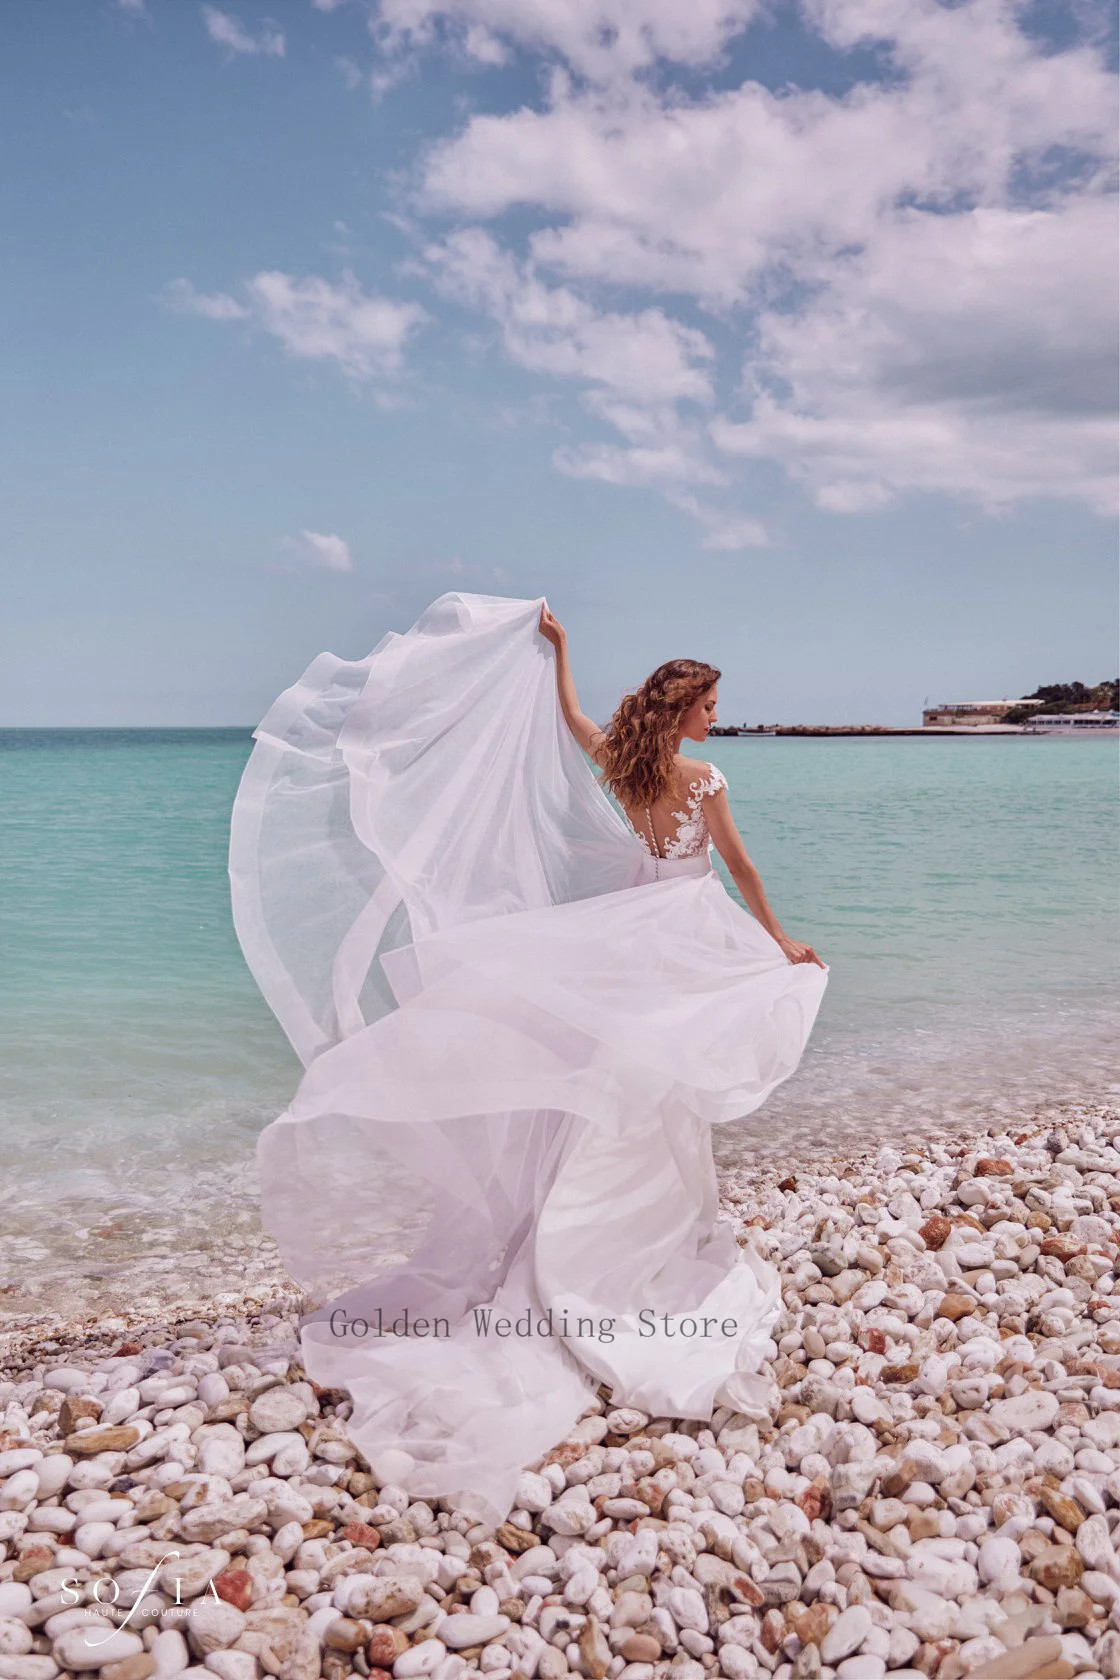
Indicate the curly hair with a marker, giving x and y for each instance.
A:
(641, 739)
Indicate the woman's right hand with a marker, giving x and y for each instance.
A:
(551, 629)
(798, 953)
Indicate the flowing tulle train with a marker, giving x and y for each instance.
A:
(497, 1170)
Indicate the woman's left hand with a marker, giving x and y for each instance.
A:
(799, 953)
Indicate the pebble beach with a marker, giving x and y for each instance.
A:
(932, 1488)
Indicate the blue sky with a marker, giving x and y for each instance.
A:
(778, 337)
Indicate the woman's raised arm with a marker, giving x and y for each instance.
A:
(587, 733)
(729, 844)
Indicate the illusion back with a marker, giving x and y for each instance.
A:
(690, 839)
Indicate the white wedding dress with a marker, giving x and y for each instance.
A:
(519, 1027)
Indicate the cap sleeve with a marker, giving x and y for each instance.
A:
(716, 780)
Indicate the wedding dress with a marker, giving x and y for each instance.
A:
(519, 1026)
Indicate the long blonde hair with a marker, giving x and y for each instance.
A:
(641, 739)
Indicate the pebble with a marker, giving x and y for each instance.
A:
(221, 1450)
(931, 1488)
(419, 1659)
(92, 1647)
(458, 1632)
(846, 1634)
(277, 1411)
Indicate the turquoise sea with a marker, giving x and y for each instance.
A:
(964, 892)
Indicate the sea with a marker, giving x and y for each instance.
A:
(962, 890)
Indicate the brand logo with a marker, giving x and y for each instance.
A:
(104, 1591)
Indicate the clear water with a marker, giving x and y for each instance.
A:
(964, 893)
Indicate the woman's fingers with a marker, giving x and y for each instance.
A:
(551, 628)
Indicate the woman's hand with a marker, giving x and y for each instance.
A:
(798, 953)
(552, 630)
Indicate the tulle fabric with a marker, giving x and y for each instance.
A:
(497, 1170)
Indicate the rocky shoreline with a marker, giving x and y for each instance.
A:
(932, 1491)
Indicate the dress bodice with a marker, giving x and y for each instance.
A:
(691, 839)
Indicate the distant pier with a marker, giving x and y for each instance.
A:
(747, 732)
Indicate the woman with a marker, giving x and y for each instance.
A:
(640, 754)
(520, 1021)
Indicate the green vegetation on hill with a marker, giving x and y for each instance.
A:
(1068, 697)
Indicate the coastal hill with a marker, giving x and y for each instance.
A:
(1070, 697)
(1054, 698)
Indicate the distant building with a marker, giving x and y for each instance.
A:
(1065, 723)
(970, 714)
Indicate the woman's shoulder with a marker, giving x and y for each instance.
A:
(701, 778)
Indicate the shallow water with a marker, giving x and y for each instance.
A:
(962, 891)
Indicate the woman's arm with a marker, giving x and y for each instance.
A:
(729, 844)
(587, 733)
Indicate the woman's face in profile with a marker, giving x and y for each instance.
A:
(699, 718)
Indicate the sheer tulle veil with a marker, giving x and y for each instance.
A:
(515, 1047)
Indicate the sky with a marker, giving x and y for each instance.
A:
(777, 335)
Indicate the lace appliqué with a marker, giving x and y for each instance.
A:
(692, 830)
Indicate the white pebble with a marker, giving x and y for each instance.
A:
(89, 1647)
(460, 1631)
(846, 1634)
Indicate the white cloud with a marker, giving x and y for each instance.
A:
(229, 32)
(722, 530)
(643, 356)
(599, 38)
(953, 355)
(136, 6)
(705, 197)
(212, 306)
(660, 465)
(734, 533)
(641, 373)
(912, 281)
(330, 552)
(363, 333)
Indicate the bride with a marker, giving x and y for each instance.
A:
(643, 767)
(520, 1014)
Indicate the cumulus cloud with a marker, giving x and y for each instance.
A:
(330, 552)
(364, 333)
(229, 32)
(910, 283)
(212, 306)
(644, 375)
(706, 196)
(722, 530)
(361, 332)
(643, 356)
(955, 356)
(603, 39)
